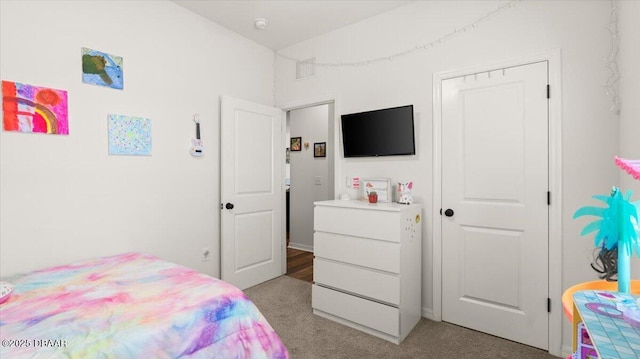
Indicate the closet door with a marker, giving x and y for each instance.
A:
(495, 220)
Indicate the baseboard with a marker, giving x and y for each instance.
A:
(428, 313)
(301, 247)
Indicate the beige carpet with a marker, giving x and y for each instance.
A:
(286, 303)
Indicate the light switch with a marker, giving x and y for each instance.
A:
(318, 180)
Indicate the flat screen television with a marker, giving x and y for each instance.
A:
(386, 132)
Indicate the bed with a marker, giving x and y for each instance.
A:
(132, 305)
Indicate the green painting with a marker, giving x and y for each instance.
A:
(99, 68)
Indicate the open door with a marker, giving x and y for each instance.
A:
(252, 192)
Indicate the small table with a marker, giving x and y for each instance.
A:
(612, 336)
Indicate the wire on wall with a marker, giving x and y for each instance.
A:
(611, 61)
(469, 27)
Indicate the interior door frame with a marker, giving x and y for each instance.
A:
(337, 170)
(553, 58)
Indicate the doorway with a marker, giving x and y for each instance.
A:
(473, 248)
(309, 177)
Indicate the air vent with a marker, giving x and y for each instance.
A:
(306, 68)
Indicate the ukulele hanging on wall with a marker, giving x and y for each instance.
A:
(197, 148)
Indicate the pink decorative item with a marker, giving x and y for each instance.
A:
(404, 189)
(632, 167)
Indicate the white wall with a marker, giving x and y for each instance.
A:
(629, 60)
(590, 130)
(63, 198)
(312, 124)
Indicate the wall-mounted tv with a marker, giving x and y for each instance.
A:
(386, 132)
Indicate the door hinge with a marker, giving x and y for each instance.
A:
(548, 91)
(548, 305)
(548, 198)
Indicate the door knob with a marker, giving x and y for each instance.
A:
(448, 212)
(229, 206)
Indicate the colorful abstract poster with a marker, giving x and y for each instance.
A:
(129, 135)
(28, 108)
(99, 68)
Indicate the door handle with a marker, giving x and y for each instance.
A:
(229, 206)
(448, 212)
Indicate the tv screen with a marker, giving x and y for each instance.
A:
(386, 132)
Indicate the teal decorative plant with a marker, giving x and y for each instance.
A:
(617, 227)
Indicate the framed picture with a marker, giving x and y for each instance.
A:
(320, 149)
(296, 143)
(382, 186)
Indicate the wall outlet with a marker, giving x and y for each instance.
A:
(205, 254)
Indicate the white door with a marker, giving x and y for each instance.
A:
(494, 203)
(252, 192)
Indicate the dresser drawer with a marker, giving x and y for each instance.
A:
(383, 225)
(381, 255)
(374, 315)
(358, 280)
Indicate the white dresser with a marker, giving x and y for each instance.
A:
(367, 266)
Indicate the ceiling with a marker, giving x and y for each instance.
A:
(289, 22)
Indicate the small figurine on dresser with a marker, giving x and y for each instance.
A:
(404, 190)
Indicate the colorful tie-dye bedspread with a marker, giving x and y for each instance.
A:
(132, 306)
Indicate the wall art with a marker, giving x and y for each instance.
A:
(28, 108)
(129, 135)
(296, 143)
(102, 69)
(320, 149)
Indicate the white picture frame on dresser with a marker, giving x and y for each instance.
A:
(367, 266)
(382, 186)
